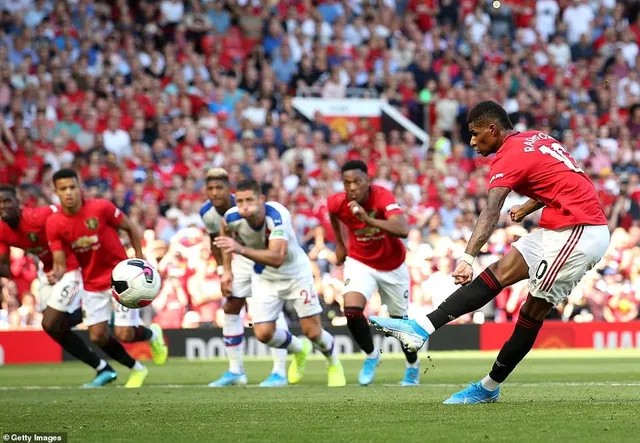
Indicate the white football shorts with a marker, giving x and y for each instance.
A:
(393, 286)
(98, 307)
(242, 270)
(271, 296)
(63, 296)
(558, 260)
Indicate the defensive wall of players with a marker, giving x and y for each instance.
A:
(19, 347)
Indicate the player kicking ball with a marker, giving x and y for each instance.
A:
(90, 230)
(573, 238)
(212, 213)
(262, 232)
(375, 259)
(24, 228)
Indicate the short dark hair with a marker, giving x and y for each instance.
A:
(9, 188)
(488, 112)
(249, 184)
(65, 173)
(352, 165)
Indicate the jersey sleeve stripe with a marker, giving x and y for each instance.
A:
(232, 217)
(205, 208)
(273, 213)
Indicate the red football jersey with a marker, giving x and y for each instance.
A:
(92, 235)
(368, 245)
(535, 165)
(31, 236)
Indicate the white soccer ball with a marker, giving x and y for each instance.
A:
(135, 283)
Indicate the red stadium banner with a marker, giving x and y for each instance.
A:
(558, 335)
(17, 347)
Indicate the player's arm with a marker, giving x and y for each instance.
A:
(396, 225)
(274, 256)
(487, 220)
(335, 225)
(224, 257)
(57, 251)
(518, 213)
(135, 236)
(395, 222)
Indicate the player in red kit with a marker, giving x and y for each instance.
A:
(90, 230)
(573, 237)
(373, 259)
(59, 299)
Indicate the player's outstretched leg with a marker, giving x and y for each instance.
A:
(413, 334)
(361, 333)
(58, 325)
(525, 332)
(324, 342)
(233, 333)
(278, 376)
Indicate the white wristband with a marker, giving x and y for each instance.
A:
(220, 270)
(468, 258)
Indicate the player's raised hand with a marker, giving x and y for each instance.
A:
(226, 281)
(341, 254)
(227, 244)
(517, 213)
(463, 273)
(358, 211)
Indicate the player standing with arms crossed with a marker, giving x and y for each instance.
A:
(90, 230)
(262, 232)
(375, 259)
(60, 300)
(573, 238)
(212, 213)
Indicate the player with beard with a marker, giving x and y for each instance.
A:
(212, 212)
(573, 237)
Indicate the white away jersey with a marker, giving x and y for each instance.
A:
(277, 226)
(211, 218)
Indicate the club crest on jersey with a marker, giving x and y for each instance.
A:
(33, 237)
(92, 223)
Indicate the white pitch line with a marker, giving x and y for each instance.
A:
(425, 385)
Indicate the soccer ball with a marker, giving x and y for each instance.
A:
(134, 283)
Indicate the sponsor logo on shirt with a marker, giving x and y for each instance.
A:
(496, 177)
(85, 243)
(392, 207)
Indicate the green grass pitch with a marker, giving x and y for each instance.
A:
(563, 396)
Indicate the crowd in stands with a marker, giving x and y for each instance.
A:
(144, 96)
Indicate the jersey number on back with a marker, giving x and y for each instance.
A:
(557, 151)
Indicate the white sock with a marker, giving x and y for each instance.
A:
(325, 344)
(489, 384)
(101, 365)
(154, 335)
(426, 324)
(138, 366)
(373, 354)
(284, 340)
(415, 364)
(280, 355)
(233, 332)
